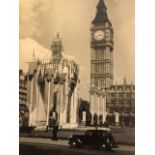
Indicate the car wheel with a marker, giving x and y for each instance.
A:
(74, 144)
(102, 147)
(105, 147)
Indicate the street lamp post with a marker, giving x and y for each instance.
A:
(48, 103)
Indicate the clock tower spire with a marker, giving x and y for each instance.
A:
(101, 15)
(101, 48)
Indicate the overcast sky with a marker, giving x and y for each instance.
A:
(40, 20)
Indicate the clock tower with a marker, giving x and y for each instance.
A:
(101, 49)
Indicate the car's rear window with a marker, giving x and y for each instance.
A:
(101, 133)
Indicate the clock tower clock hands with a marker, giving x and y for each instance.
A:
(99, 35)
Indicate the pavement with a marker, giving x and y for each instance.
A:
(48, 141)
(123, 136)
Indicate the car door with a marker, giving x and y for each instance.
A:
(102, 136)
(88, 137)
(97, 137)
(94, 140)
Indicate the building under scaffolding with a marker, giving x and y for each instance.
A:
(52, 86)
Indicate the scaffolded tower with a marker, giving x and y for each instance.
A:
(53, 89)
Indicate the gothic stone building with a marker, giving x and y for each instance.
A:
(121, 101)
(117, 101)
(53, 89)
(101, 76)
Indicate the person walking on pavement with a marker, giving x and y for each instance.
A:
(54, 132)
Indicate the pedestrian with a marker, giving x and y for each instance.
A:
(54, 132)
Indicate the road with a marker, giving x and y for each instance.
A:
(47, 147)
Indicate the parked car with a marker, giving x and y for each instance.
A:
(96, 138)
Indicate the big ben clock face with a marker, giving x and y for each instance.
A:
(99, 35)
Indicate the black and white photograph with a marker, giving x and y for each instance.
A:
(77, 77)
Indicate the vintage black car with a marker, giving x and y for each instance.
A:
(95, 138)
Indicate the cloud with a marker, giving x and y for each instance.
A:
(30, 12)
(27, 46)
(41, 19)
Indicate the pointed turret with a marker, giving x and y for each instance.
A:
(101, 15)
(33, 55)
(124, 81)
(101, 4)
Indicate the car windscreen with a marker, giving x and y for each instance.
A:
(102, 133)
(88, 133)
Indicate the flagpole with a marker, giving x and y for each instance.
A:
(48, 103)
(31, 100)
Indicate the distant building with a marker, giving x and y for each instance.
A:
(121, 101)
(22, 88)
(23, 106)
(121, 98)
(53, 89)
